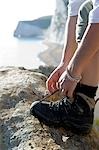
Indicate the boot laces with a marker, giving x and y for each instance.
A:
(60, 105)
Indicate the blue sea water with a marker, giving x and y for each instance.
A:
(14, 52)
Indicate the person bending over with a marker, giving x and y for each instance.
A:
(77, 75)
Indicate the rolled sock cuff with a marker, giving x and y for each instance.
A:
(86, 89)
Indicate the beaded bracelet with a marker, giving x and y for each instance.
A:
(74, 79)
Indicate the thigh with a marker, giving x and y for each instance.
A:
(90, 74)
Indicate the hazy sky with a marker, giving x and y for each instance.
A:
(12, 11)
(17, 8)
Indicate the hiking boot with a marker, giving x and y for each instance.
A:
(76, 116)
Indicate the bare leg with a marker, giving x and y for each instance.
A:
(90, 75)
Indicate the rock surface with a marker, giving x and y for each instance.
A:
(20, 131)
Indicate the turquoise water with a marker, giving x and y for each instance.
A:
(14, 52)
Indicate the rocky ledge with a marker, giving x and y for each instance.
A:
(19, 130)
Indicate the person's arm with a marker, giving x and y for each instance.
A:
(69, 48)
(86, 50)
(70, 44)
(70, 40)
(89, 44)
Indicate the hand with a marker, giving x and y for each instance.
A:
(52, 82)
(66, 85)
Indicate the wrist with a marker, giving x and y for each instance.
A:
(74, 69)
(74, 78)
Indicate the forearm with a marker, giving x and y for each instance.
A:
(70, 40)
(86, 50)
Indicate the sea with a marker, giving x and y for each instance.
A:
(21, 52)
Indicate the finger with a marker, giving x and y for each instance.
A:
(64, 91)
(61, 85)
(54, 85)
(51, 86)
(57, 85)
(48, 84)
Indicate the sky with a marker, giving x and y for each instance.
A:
(12, 11)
